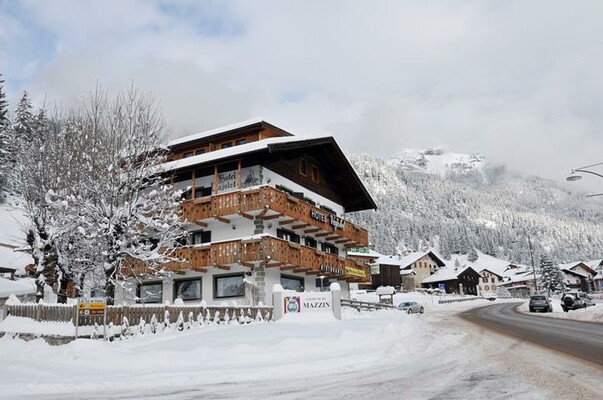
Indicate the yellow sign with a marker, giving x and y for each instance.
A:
(355, 272)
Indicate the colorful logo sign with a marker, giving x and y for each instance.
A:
(292, 304)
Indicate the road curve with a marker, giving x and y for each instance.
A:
(580, 339)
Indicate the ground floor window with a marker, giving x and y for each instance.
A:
(229, 286)
(189, 289)
(292, 283)
(150, 292)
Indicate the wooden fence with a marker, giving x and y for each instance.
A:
(134, 313)
(365, 305)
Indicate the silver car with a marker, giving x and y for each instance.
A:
(411, 307)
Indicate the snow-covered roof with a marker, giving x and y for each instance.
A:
(569, 271)
(483, 262)
(404, 261)
(18, 287)
(215, 131)
(228, 152)
(368, 253)
(446, 274)
(594, 264)
(404, 272)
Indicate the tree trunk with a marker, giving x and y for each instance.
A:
(39, 288)
(62, 290)
(110, 286)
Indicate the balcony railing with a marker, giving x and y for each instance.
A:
(266, 251)
(268, 198)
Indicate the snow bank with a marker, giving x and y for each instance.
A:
(594, 313)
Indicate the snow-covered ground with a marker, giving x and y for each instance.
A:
(368, 355)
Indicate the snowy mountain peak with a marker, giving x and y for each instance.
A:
(437, 161)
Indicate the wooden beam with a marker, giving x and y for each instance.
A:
(342, 241)
(353, 244)
(330, 238)
(248, 264)
(299, 270)
(224, 267)
(222, 219)
(263, 212)
(312, 230)
(273, 216)
(200, 223)
(287, 221)
(322, 234)
(289, 267)
(273, 264)
(300, 226)
(199, 269)
(245, 215)
(312, 272)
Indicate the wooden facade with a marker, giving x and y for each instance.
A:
(267, 251)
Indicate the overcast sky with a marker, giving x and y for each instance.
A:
(519, 81)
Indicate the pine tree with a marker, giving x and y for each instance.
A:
(5, 143)
(472, 256)
(23, 124)
(551, 277)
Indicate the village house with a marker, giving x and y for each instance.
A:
(454, 280)
(263, 207)
(489, 282)
(579, 275)
(394, 270)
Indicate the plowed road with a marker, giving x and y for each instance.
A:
(580, 339)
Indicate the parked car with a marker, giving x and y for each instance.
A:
(411, 307)
(575, 300)
(540, 302)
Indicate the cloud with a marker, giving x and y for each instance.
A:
(517, 81)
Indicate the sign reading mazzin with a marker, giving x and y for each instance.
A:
(307, 302)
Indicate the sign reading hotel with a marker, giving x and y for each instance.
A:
(308, 302)
(334, 221)
(228, 181)
(357, 272)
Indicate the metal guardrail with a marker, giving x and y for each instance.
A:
(460, 299)
(365, 305)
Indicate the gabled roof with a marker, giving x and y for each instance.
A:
(572, 272)
(447, 274)
(356, 196)
(408, 259)
(572, 265)
(232, 128)
(491, 271)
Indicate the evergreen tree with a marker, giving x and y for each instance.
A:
(551, 277)
(472, 256)
(23, 124)
(5, 143)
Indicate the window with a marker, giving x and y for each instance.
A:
(239, 142)
(189, 289)
(201, 237)
(493, 280)
(229, 286)
(328, 248)
(150, 292)
(188, 154)
(184, 182)
(226, 145)
(202, 191)
(287, 235)
(303, 168)
(199, 151)
(310, 242)
(315, 175)
(292, 283)
(285, 189)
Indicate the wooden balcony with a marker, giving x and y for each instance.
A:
(266, 251)
(270, 203)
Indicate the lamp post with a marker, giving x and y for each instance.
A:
(576, 175)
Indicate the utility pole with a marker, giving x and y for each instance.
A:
(532, 258)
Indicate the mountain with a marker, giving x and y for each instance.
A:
(458, 201)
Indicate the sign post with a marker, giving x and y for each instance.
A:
(91, 306)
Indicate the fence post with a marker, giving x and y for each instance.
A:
(277, 302)
(39, 312)
(336, 293)
(4, 311)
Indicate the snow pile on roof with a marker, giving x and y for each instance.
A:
(230, 151)
(18, 287)
(215, 131)
(447, 273)
(364, 253)
(498, 266)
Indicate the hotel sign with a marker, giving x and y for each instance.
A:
(331, 270)
(228, 181)
(333, 220)
(306, 302)
(353, 271)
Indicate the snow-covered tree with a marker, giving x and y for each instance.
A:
(472, 255)
(5, 142)
(23, 124)
(551, 277)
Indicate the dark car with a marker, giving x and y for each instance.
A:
(575, 301)
(541, 303)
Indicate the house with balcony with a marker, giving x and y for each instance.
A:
(262, 207)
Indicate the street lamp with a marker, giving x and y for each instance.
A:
(576, 175)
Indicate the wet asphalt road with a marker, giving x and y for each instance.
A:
(577, 338)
